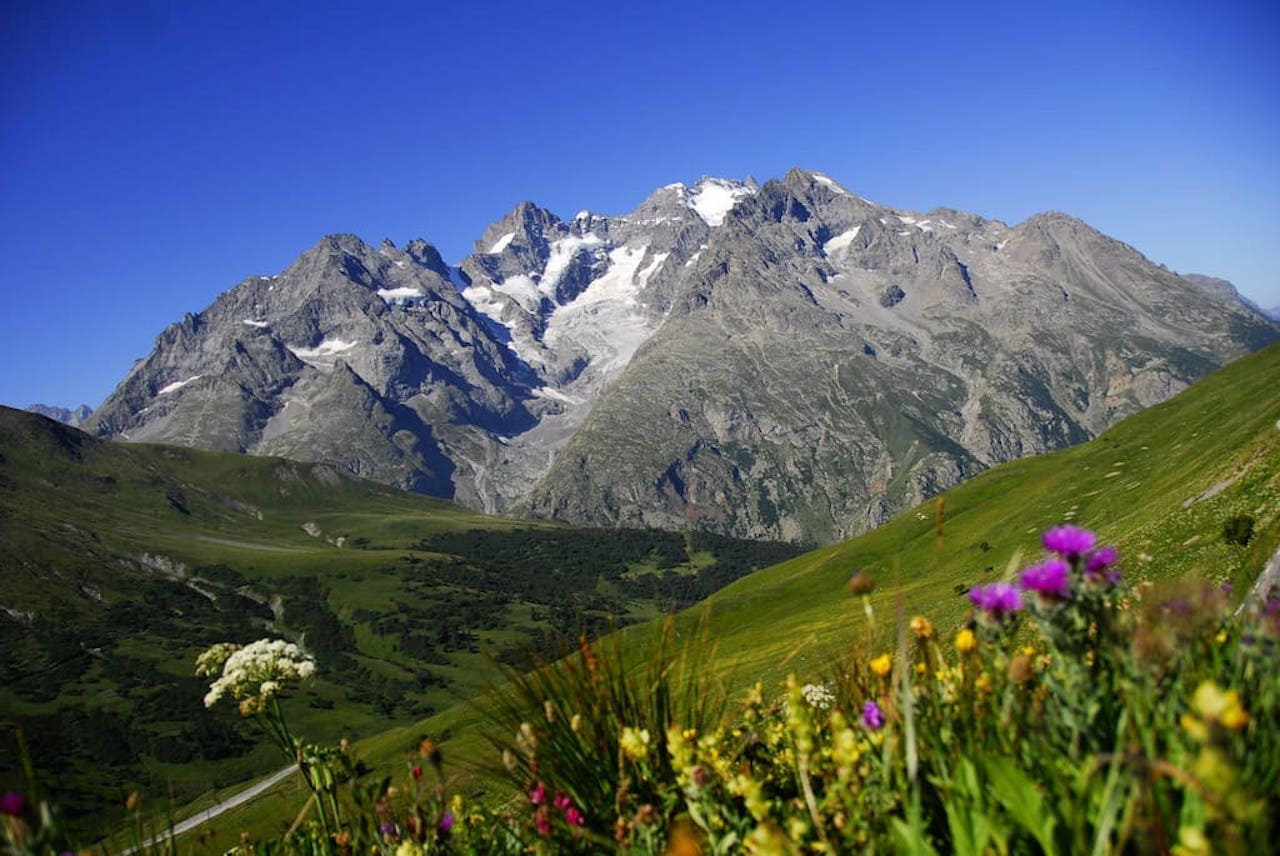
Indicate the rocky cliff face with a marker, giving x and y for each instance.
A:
(781, 361)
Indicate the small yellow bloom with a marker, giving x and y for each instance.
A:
(921, 669)
(921, 627)
(1212, 702)
(983, 683)
(966, 641)
(634, 742)
(882, 665)
(1221, 637)
(1028, 650)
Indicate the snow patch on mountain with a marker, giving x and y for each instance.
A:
(177, 385)
(402, 294)
(713, 198)
(501, 244)
(841, 241)
(327, 348)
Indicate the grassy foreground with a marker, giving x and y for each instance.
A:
(1166, 487)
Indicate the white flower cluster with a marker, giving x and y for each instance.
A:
(254, 673)
(818, 696)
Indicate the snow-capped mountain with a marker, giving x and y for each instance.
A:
(789, 360)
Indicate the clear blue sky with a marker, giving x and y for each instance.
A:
(154, 154)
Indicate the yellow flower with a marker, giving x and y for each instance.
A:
(634, 742)
(983, 683)
(409, 847)
(921, 627)
(966, 641)
(882, 665)
(1211, 702)
(921, 668)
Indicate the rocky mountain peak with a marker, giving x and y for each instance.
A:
(786, 360)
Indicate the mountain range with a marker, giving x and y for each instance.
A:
(786, 360)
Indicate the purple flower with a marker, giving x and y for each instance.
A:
(1228, 588)
(1049, 578)
(446, 821)
(12, 803)
(1068, 541)
(996, 600)
(872, 716)
(1099, 560)
(388, 829)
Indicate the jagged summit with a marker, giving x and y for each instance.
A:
(785, 359)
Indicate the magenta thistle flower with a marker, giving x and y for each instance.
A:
(1049, 579)
(872, 716)
(1068, 541)
(446, 821)
(575, 817)
(12, 803)
(1099, 560)
(996, 600)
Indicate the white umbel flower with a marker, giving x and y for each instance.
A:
(254, 673)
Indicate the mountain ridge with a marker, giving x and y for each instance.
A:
(493, 381)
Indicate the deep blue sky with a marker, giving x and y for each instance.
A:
(154, 154)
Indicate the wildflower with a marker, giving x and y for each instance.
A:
(542, 823)
(882, 665)
(12, 803)
(1212, 703)
(1101, 560)
(575, 724)
(549, 710)
(1068, 541)
(509, 760)
(1228, 588)
(634, 742)
(921, 627)
(872, 716)
(983, 683)
(409, 848)
(538, 795)
(446, 823)
(562, 801)
(966, 641)
(1021, 668)
(1047, 579)
(860, 583)
(574, 817)
(997, 600)
(388, 829)
(254, 673)
(416, 772)
(818, 696)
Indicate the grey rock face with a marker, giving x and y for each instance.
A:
(782, 361)
(73, 417)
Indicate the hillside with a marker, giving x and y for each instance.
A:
(1160, 486)
(120, 562)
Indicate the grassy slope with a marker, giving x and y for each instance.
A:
(115, 634)
(1159, 485)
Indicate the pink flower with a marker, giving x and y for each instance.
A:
(562, 801)
(574, 817)
(1069, 541)
(1049, 579)
(996, 600)
(542, 823)
(538, 795)
(12, 803)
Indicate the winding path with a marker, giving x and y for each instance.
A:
(208, 814)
